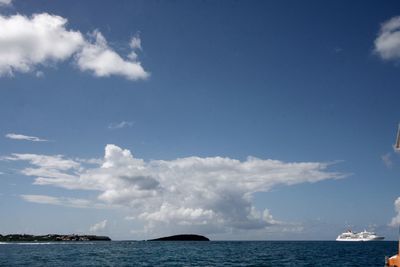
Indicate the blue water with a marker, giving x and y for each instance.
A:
(214, 253)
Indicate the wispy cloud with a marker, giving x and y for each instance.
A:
(396, 220)
(98, 227)
(217, 196)
(136, 43)
(387, 160)
(25, 137)
(50, 168)
(62, 201)
(39, 74)
(120, 125)
(29, 42)
(338, 49)
(5, 2)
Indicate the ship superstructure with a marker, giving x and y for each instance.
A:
(361, 236)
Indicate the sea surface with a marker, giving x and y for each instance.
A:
(214, 253)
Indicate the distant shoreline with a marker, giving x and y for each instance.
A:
(51, 238)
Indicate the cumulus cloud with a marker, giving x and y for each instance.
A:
(24, 137)
(396, 220)
(213, 193)
(98, 227)
(26, 42)
(98, 58)
(387, 44)
(120, 125)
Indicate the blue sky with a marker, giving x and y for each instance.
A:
(147, 113)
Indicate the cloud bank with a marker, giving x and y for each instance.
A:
(43, 39)
(387, 44)
(213, 194)
(24, 137)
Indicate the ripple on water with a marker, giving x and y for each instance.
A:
(217, 253)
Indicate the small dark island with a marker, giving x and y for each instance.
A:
(182, 238)
(51, 238)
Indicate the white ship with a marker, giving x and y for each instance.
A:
(361, 236)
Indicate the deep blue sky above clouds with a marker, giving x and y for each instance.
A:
(234, 119)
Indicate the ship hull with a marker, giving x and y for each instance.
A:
(379, 238)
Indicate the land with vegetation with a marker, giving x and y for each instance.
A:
(51, 238)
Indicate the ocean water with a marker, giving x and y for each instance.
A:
(214, 253)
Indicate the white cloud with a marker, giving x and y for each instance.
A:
(43, 39)
(26, 42)
(39, 74)
(5, 2)
(51, 169)
(24, 137)
(387, 44)
(136, 43)
(98, 227)
(103, 61)
(61, 201)
(89, 161)
(396, 220)
(56, 162)
(120, 125)
(213, 193)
